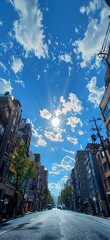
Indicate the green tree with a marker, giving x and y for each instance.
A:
(24, 170)
(46, 198)
(67, 196)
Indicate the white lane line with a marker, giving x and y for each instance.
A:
(7, 230)
(32, 219)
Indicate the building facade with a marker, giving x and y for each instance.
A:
(81, 178)
(25, 133)
(104, 170)
(97, 198)
(44, 177)
(10, 115)
(105, 104)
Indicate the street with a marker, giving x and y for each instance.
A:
(56, 224)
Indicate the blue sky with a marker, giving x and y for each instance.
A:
(48, 60)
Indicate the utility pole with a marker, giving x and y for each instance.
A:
(100, 137)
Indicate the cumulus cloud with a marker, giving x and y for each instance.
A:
(67, 163)
(54, 137)
(72, 140)
(17, 65)
(95, 93)
(93, 39)
(65, 150)
(5, 86)
(73, 105)
(66, 58)
(45, 114)
(92, 7)
(73, 122)
(37, 139)
(20, 82)
(56, 187)
(28, 29)
(80, 132)
(82, 9)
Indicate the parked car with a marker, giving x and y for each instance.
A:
(59, 206)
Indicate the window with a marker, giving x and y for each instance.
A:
(106, 111)
(108, 126)
(105, 183)
(108, 181)
(1, 129)
(8, 147)
(106, 167)
(103, 154)
(11, 177)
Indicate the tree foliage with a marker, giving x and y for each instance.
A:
(67, 196)
(47, 198)
(23, 167)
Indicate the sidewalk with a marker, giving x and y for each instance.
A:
(8, 219)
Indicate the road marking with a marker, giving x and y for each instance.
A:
(7, 230)
(32, 219)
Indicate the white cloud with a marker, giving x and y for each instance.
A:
(3, 66)
(17, 65)
(5, 86)
(76, 30)
(96, 93)
(20, 82)
(80, 132)
(54, 137)
(55, 187)
(67, 163)
(66, 58)
(1, 23)
(93, 39)
(72, 140)
(93, 6)
(54, 99)
(69, 68)
(65, 150)
(74, 104)
(52, 149)
(58, 112)
(73, 122)
(28, 28)
(82, 9)
(37, 139)
(45, 114)
(81, 146)
(38, 77)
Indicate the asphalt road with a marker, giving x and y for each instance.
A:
(56, 224)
